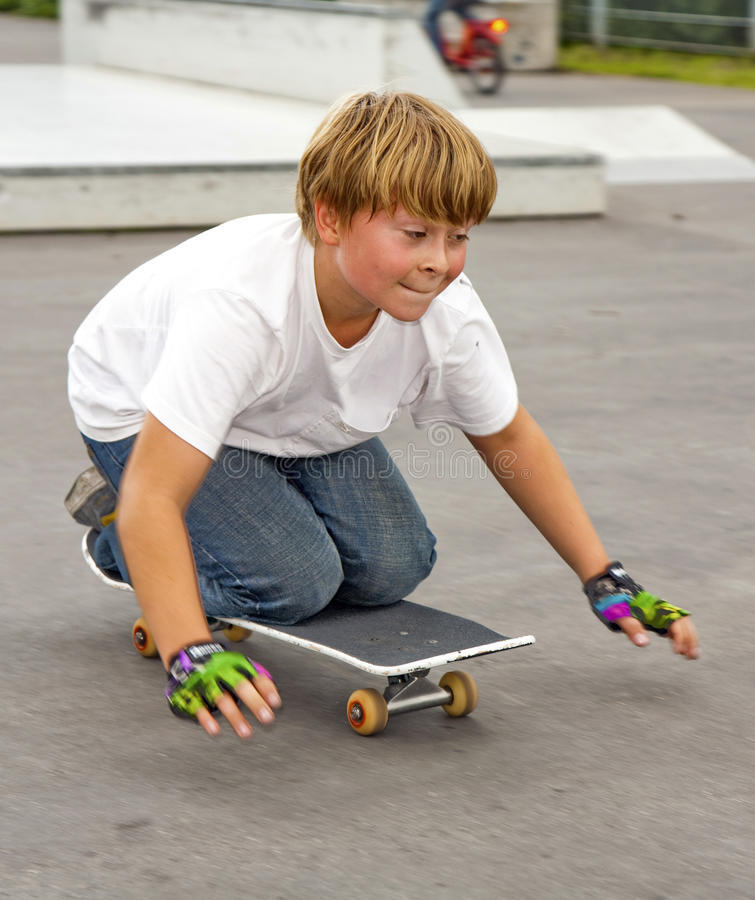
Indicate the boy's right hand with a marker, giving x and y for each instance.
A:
(203, 680)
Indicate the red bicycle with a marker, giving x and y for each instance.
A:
(478, 51)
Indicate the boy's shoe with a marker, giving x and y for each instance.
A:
(111, 578)
(91, 501)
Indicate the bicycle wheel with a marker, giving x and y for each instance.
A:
(486, 67)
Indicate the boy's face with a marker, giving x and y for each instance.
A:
(397, 263)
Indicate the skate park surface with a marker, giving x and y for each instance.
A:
(591, 769)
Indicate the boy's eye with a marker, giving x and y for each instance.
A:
(415, 234)
(459, 238)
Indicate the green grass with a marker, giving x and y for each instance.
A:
(729, 71)
(41, 9)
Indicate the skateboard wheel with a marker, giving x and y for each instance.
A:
(367, 711)
(464, 693)
(236, 633)
(143, 640)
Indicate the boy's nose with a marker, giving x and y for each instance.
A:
(436, 261)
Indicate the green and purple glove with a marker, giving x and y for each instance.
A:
(613, 594)
(200, 673)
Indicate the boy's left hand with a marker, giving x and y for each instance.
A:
(682, 632)
(623, 605)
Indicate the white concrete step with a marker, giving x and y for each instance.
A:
(91, 147)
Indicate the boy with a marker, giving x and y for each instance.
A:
(231, 391)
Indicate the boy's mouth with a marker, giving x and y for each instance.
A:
(424, 293)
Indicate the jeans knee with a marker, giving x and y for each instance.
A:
(419, 561)
(390, 574)
(279, 598)
(305, 593)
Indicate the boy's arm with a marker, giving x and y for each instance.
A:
(528, 468)
(162, 475)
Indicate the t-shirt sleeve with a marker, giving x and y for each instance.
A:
(473, 387)
(217, 357)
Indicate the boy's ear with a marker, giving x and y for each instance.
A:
(327, 223)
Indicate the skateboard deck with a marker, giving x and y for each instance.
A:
(391, 640)
(401, 642)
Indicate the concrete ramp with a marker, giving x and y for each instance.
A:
(640, 144)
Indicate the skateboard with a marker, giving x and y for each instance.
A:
(401, 642)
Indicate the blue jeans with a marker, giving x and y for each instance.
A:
(276, 539)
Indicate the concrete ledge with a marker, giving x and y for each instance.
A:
(302, 49)
(81, 199)
(161, 197)
(537, 179)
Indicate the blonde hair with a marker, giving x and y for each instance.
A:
(374, 151)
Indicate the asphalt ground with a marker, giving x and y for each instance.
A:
(591, 769)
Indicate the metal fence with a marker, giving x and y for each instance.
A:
(699, 26)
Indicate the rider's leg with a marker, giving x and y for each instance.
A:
(260, 550)
(276, 539)
(110, 459)
(430, 20)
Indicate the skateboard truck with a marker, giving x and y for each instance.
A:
(406, 693)
(368, 710)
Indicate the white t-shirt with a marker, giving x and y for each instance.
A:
(222, 339)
